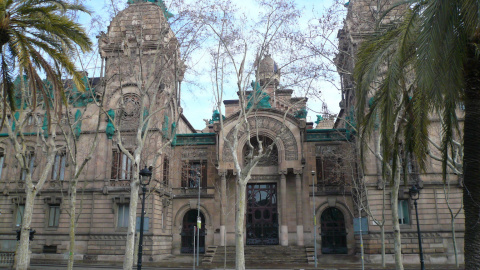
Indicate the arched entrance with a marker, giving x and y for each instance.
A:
(189, 222)
(334, 235)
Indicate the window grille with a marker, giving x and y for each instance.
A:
(194, 173)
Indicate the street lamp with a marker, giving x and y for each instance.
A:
(145, 177)
(414, 195)
(314, 220)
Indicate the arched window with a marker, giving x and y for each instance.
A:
(270, 160)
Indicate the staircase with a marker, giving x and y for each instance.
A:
(263, 255)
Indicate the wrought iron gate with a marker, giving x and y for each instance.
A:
(189, 222)
(334, 235)
(262, 216)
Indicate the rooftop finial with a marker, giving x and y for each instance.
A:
(159, 3)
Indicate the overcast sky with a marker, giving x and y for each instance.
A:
(198, 103)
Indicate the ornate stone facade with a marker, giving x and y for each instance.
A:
(281, 203)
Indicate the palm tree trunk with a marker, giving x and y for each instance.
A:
(471, 161)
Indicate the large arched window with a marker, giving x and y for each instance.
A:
(270, 160)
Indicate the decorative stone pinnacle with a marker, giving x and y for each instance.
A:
(159, 3)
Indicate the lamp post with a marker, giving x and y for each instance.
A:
(414, 195)
(314, 220)
(145, 177)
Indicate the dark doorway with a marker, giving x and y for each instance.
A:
(189, 222)
(262, 216)
(334, 235)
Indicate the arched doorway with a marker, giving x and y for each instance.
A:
(189, 222)
(334, 235)
(262, 216)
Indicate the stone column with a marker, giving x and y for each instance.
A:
(223, 206)
(283, 200)
(299, 209)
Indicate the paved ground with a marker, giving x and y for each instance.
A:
(323, 267)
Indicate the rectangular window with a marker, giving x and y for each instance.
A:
(194, 173)
(30, 163)
(53, 215)
(19, 216)
(403, 212)
(58, 172)
(122, 166)
(166, 168)
(122, 216)
(2, 161)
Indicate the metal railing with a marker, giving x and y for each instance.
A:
(7, 258)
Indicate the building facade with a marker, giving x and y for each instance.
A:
(312, 170)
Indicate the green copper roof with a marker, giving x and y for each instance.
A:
(322, 135)
(159, 3)
(195, 139)
(258, 98)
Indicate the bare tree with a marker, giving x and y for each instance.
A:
(28, 135)
(144, 69)
(232, 47)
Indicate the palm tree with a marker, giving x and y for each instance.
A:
(427, 63)
(38, 36)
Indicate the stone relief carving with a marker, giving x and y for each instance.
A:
(326, 150)
(265, 177)
(195, 153)
(272, 125)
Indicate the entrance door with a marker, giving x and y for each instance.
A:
(262, 216)
(334, 235)
(189, 222)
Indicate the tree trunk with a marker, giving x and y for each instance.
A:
(23, 248)
(239, 226)
(471, 161)
(457, 264)
(225, 250)
(73, 201)
(382, 238)
(397, 238)
(129, 247)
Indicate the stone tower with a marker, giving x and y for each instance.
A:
(268, 74)
(140, 53)
(362, 21)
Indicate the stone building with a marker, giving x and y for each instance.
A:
(283, 195)
(434, 211)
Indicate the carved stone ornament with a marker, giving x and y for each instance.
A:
(264, 177)
(194, 153)
(326, 150)
(131, 107)
(272, 125)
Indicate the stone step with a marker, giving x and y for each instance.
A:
(263, 255)
(209, 254)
